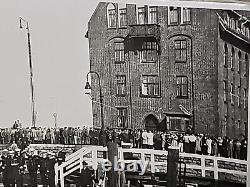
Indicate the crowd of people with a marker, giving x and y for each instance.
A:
(20, 158)
(137, 138)
(15, 164)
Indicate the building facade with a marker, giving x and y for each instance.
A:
(169, 68)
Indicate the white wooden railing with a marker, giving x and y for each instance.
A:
(74, 162)
(155, 159)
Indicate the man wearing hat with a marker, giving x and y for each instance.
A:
(5, 167)
(44, 162)
(51, 169)
(86, 177)
(32, 166)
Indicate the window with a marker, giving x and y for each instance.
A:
(123, 17)
(182, 86)
(180, 51)
(150, 85)
(238, 97)
(186, 15)
(120, 85)
(245, 98)
(119, 52)
(153, 17)
(149, 52)
(173, 15)
(246, 65)
(225, 55)
(239, 62)
(232, 59)
(224, 91)
(111, 16)
(122, 117)
(232, 93)
(141, 15)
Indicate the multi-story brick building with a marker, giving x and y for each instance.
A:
(170, 67)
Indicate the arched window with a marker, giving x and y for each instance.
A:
(111, 15)
(239, 62)
(225, 55)
(232, 59)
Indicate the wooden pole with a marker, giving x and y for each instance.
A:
(173, 157)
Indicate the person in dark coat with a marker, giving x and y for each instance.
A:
(86, 177)
(51, 169)
(44, 162)
(32, 165)
(5, 167)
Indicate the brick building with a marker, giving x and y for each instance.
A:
(170, 67)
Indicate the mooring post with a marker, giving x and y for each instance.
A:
(172, 168)
(112, 155)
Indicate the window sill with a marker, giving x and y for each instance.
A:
(150, 96)
(186, 23)
(182, 97)
(112, 28)
(119, 62)
(180, 62)
(120, 95)
(173, 24)
(123, 27)
(148, 62)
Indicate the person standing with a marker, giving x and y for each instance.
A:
(51, 169)
(43, 162)
(32, 165)
(5, 167)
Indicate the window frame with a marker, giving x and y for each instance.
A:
(232, 62)
(225, 91)
(180, 87)
(182, 16)
(121, 14)
(149, 51)
(232, 94)
(120, 52)
(150, 12)
(225, 55)
(181, 50)
(119, 109)
(155, 85)
(120, 85)
(144, 13)
(170, 15)
(114, 16)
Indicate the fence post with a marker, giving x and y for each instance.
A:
(173, 157)
(56, 174)
(112, 155)
(61, 177)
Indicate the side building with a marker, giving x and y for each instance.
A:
(164, 68)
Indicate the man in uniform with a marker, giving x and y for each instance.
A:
(43, 162)
(86, 177)
(32, 165)
(5, 166)
(51, 169)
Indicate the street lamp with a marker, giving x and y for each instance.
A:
(88, 87)
(55, 118)
(31, 70)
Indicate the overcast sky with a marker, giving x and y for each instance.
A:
(60, 61)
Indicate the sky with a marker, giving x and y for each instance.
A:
(60, 61)
(59, 56)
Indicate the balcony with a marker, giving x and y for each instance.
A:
(137, 34)
(147, 30)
